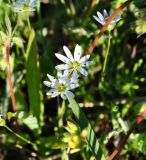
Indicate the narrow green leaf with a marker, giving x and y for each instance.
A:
(33, 79)
(83, 123)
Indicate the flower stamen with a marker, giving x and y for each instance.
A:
(61, 88)
(75, 65)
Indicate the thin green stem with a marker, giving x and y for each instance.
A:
(106, 57)
(61, 111)
(28, 21)
(17, 135)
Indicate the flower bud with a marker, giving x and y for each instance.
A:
(84, 133)
(2, 122)
(92, 158)
(66, 137)
(74, 142)
(71, 127)
(9, 115)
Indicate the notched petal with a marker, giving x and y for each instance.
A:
(77, 52)
(62, 58)
(85, 58)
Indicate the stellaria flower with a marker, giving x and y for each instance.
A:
(60, 86)
(103, 18)
(24, 5)
(75, 64)
(67, 76)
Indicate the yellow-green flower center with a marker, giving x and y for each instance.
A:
(26, 7)
(75, 65)
(61, 88)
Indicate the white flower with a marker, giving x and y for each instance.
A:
(67, 76)
(103, 18)
(24, 5)
(74, 64)
(60, 86)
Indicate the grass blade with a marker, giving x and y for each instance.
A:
(33, 78)
(83, 123)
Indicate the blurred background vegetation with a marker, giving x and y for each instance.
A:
(111, 107)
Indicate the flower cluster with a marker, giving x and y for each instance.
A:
(103, 18)
(74, 137)
(67, 73)
(24, 5)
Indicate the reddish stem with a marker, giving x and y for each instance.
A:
(7, 47)
(121, 144)
(103, 29)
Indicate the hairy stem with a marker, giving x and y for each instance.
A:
(7, 48)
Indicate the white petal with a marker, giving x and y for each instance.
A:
(61, 77)
(99, 20)
(63, 80)
(75, 76)
(100, 16)
(63, 96)
(105, 13)
(115, 20)
(67, 72)
(118, 18)
(77, 52)
(88, 63)
(47, 83)
(53, 93)
(62, 58)
(83, 71)
(68, 53)
(59, 73)
(33, 3)
(70, 94)
(62, 67)
(73, 86)
(85, 58)
(51, 78)
(111, 12)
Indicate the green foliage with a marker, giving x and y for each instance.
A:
(107, 109)
(92, 141)
(137, 143)
(33, 78)
(2, 122)
(29, 120)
